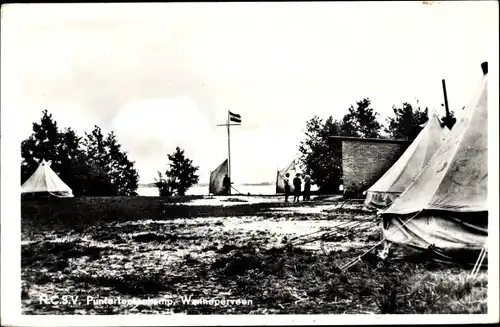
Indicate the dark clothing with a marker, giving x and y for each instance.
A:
(307, 187)
(307, 191)
(287, 188)
(226, 182)
(297, 184)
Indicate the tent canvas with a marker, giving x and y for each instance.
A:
(45, 180)
(408, 166)
(445, 208)
(216, 178)
(280, 177)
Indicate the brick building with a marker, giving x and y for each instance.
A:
(365, 160)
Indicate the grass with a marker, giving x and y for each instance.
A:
(49, 253)
(448, 292)
(304, 280)
(284, 279)
(80, 212)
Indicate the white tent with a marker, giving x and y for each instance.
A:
(408, 166)
(446, 207)
(45, 180)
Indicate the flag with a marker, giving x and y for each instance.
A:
(235, 118)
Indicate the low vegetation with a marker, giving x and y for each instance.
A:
(158, 248)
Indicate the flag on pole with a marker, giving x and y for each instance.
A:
(235, 118)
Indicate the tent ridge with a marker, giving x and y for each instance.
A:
(404, 171)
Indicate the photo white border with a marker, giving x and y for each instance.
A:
(11, 236)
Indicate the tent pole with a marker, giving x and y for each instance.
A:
(446, 107)
(484, 67)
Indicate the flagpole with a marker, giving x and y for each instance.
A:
(229, 152)
(228, 124)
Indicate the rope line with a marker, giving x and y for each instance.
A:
(343, 203)
(339, 226)
(340, 233)
(353, 262)
(479, 261)
(344, 228)
(239, 193)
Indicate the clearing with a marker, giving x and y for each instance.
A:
(216, 248)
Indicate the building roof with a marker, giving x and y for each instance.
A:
(371, 140)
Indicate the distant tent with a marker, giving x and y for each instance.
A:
(280, 178)
(216, 178)
(408, 166)
(445, 209)
(45, 181)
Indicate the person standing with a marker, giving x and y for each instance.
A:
(307, 187)
(297, 184)
(226, 183)
(286, 180)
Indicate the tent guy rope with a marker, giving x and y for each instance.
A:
(353, 262)
(479, 261)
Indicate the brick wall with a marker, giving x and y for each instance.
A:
(364, 161)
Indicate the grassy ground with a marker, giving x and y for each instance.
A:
(144, 247)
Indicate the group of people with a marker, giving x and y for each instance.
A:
(297, 187)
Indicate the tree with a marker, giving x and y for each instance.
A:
(96, 166)
(74, 170)
(405, 122)
(43, 144)
(163, 185)
(62, 149)
(320, 157)
(361, 121)
(121, 171)
(181, 175)
(114, 173)
(98, 159)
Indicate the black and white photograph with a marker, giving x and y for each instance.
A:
(263, 163)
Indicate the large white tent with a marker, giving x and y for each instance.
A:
(45, 180)
(408, 166)
(445, 208)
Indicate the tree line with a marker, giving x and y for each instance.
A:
(96, 165)
(92, 165)
(321, 158)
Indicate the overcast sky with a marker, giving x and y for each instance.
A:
(163, 75)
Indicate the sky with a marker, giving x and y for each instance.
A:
(164, 75)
